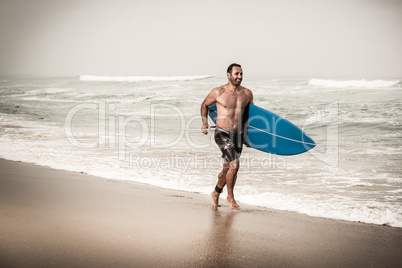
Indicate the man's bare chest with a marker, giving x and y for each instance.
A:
(233, 100)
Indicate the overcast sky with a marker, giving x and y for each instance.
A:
(276, 38)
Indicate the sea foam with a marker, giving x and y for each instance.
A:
(364, 186)
(354, 83)
(134, 79)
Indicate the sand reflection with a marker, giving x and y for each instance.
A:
(220, 239)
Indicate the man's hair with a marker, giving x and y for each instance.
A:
(231, 67)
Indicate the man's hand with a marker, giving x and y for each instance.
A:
(205, 129)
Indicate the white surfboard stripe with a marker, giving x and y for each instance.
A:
(282, 136)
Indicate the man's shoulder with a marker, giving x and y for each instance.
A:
(219, 89)
(246, 90)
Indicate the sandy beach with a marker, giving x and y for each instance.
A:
(57, 218)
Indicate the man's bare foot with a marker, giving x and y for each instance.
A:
(215, 198)
(232, 203)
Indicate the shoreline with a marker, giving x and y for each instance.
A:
(221, 202)
(56, 217)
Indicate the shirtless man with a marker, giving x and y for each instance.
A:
(231, 100)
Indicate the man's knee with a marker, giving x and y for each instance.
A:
(234, 165)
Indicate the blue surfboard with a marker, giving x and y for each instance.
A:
(268, 132)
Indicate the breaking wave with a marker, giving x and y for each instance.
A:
(133, 79)
(355, 83)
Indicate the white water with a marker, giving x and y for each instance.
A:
(149, 132)
(354, 83)
(143, 78)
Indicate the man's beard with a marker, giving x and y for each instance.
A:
(235, 81)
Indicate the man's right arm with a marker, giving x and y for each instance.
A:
(209, 100)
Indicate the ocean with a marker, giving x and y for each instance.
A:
(147, 129)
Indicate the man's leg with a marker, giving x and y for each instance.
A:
(231, 176)
(221, 183)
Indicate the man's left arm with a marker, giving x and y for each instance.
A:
(245, 120)
(251, 100)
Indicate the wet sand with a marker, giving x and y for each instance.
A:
(57, 218)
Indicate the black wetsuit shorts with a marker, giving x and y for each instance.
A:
(231, 144)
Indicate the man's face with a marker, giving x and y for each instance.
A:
(236, 76)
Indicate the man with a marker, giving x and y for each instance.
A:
(231, 101)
